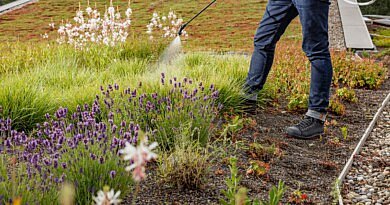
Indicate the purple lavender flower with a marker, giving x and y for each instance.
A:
(212, 87)
(93, 156)
(86, 107)
(112, 174)
(113, 129)
(215, 94)
(55, 163)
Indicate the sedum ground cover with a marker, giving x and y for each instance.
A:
(65, 113)
(223, 28)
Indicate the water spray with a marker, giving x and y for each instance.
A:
(182, 27)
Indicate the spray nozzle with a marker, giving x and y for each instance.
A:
(182, 27)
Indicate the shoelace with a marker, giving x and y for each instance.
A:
(306, 122)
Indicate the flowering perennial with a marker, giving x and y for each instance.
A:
(165, 26)
(72, 146)
(106, 197)
(89, 26)
(139, 156)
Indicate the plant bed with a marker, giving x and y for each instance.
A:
(308, 168)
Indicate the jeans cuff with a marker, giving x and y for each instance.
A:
(316, 115)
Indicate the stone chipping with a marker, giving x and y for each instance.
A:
(336, 33)
(368, 181)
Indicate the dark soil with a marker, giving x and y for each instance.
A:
(309, 166)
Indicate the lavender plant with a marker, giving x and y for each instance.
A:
(73, 147)
(162, 112)
(83, 147)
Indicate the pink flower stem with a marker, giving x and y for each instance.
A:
(135, 193)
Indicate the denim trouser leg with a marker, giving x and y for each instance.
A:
(277, 17)
(313, 15)
(314, 19)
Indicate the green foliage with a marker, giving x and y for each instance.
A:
(275, 194)
(16, 185)
(232, 127)
(187, 165)
(357, 73)
(232, 184)
(264, 152)
(336, 106)
(380, 7)
(65, 77)
(298, 101)
(37, 80)
(3, 2)
(89, 175)
(383, 37)
(335, 192)
(344, 132)
(346, 94)
(25, 105)
(228, 73)
(237, 195)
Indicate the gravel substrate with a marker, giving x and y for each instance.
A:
(336, 33)
(368, 181)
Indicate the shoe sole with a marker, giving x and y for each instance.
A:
(315, 136)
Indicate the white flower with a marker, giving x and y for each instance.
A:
(45, 36)
(166, 26)
(139, 155)
(88, 10)
(128, 12)
(109, 30)
(79, 14)
(111, 11)
(107, 198)
(61, 30)
(118, 15)
(170, 15)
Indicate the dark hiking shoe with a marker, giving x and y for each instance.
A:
(250, 103)
(308, 128)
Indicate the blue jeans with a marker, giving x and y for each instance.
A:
(313, 16)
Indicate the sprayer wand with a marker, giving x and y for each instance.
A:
(182, 27)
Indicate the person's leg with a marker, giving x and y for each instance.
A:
(314, 19)
(313, 15)
(278, 15)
